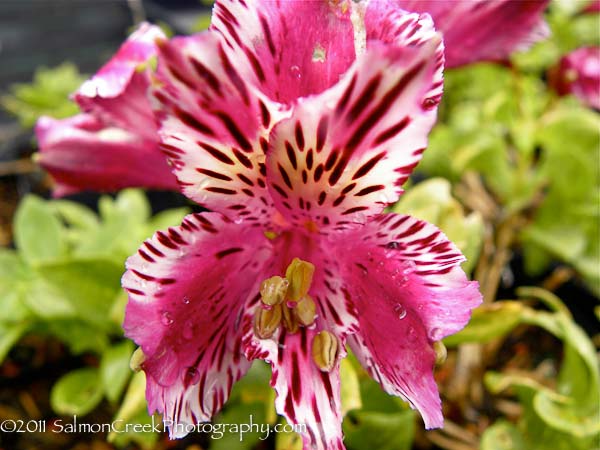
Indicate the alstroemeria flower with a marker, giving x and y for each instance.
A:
(483, 30)
(578, 73)
(114, 143)
(296, 123)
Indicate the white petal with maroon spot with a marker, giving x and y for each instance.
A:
(188, 289)
(404, 278)
(287, 49)
(305, 394)
(344, 154)
(214, 127)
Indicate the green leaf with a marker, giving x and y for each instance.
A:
(75, 214)
(383, 431)
(133, 405)
(48, 94)
(9, 336)
(77, 393)
(350, 388)
(80, 336)
(39, 235)
(502, 435)
(114, 369)
(489, 321)
(87, 286)
(233, 427)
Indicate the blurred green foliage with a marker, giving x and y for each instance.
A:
(47, 95)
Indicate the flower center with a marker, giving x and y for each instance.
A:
(285, 300)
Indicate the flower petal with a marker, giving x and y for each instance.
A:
(214, 127)
(344, 154)
(287, 49)
(405, 280)
(578, 73)
(82, 153)
(483, 30)
(305, 395)
(118, 91)
(188, 289)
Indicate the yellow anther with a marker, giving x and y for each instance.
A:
(270, 235)
(273, 290)
(300, 274)
(324, 350)
(266, 321)
(289, 320)
(440, 353)
(305, 310)
(137, 359)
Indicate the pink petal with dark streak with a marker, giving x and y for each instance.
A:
(82, 153)
(214, 127)
(287, 49)
(483, 30)
(344, 154)
(188, 288)
(118, 92)
(405, 280)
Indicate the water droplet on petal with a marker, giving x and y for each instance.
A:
(400, 310)
(412, 334)
(167, 318)
(435, 334)
(295, 71)
(393, 245)
(185, 300)
(191, 375)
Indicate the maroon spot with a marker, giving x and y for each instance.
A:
(245, 179)
(304, 176)
(322, 132)
(291, 154)
(217, 154)
(235, 132)
(285, 176)
(369, 190)
(135, 291)
(366, 167)
(264, 113)
(242, 158)
(213, 174)
(165, 240)
(309, 159)
(345, 97)
(192, 122)
(348, 188)
(355, 209)
(365, 97)
(322, 197)
(331, 159)
(267, 33)
(299, 136)
(229, 251)
(206, 75)
(219, 190)
(280, 190)
(318, 173)
(338, 200)
(153, 249)
(248, 192)
(264, 145)
(146, 256)
(392, 131)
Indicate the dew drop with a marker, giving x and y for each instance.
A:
(400, 310)
(166, 318)
(393, 245)
(412, 334)
(185, 300)
(191, 375)
(435, 334)
(295, 71)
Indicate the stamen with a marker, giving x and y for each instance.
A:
(137, 360)
(305, 310)
(266, 321)
(440, 353)
(324, 350)
(290, 322)
(300, 274)
(273, 290)
(357, 17)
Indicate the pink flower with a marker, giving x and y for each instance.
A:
(578, 73)
(483, 30)
(114, 144)
(296, 123)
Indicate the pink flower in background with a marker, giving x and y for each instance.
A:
(296, 123)
(578, 73)
(114, 143)
(483, 30)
